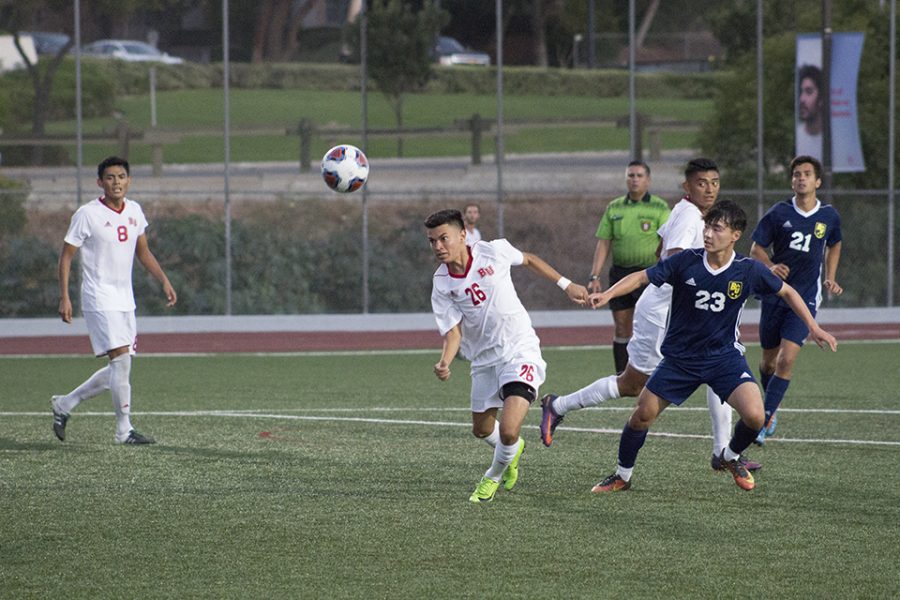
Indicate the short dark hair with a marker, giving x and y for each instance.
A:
(640, 163)
(727, 212)
(698, 165)
(112, 161)
(799, 160)
(448, 216)
(809, 72)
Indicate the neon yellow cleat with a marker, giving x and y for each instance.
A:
(511, 474)
(485, 491)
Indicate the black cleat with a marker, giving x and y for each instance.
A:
(549, 419)
(59, 420)
(135, 438)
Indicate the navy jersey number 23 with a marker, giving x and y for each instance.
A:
(706, 303)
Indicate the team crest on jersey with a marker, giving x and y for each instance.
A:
(734, 289)
(819, 230)
(646, 225)
(132, 221)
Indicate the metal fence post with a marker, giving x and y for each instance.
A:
(123, 135)
(476, 127)
(305, 130)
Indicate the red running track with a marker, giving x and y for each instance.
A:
(379, 340)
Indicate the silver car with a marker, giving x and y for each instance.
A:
(129, 50)
(448, 51)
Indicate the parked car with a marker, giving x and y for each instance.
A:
(448, 51)
(129, 50)
(10, 59)
(46, 42)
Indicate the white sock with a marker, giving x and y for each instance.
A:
(624, 473)
(591, 395)
(494, 439)
(503, 455)
(120, 388)
(720, 415)
(95, 385)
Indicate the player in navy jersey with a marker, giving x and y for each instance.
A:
(804, 235)
(709, 289)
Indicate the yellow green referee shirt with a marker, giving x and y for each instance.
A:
(631, 227)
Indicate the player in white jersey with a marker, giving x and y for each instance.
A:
(479, 313)
(683, 230)
(110, 233)
(471, 214)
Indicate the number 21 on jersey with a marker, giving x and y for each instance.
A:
(800, 242)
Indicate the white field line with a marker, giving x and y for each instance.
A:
(284, 417)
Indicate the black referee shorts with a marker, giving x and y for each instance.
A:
(628, 300)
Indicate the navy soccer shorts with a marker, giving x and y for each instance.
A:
(675, 380)
(778, 322)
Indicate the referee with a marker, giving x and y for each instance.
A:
(628, 227)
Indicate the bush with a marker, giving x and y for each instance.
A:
(12, 206)
(132, 78)
(28, 283)
(98, 89)
(305, 256)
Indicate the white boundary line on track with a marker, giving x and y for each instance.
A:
(275, 416)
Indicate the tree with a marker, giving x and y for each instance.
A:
(399, 44)
(730, 135)
(14, 16)
(277, 29)
(18, 15)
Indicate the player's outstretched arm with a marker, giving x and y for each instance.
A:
(832, 258)
(577, 293)
(818, 335)
(600, 254)
(142, 251)
(759, 253)
(452, 340)
(626, 285)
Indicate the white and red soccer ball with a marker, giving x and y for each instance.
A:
(345, 168)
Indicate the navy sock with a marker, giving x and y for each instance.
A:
(620, 355)
(775, 390)
(630, 444)
(742, 438)
(764, 379)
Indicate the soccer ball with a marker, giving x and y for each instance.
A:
(345, 168)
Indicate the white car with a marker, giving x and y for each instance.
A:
(129, 50)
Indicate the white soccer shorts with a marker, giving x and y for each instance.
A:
(528, 367)
(110, 330)
(643, 347)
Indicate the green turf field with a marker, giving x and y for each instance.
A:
(199, 114)
(347, 476)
